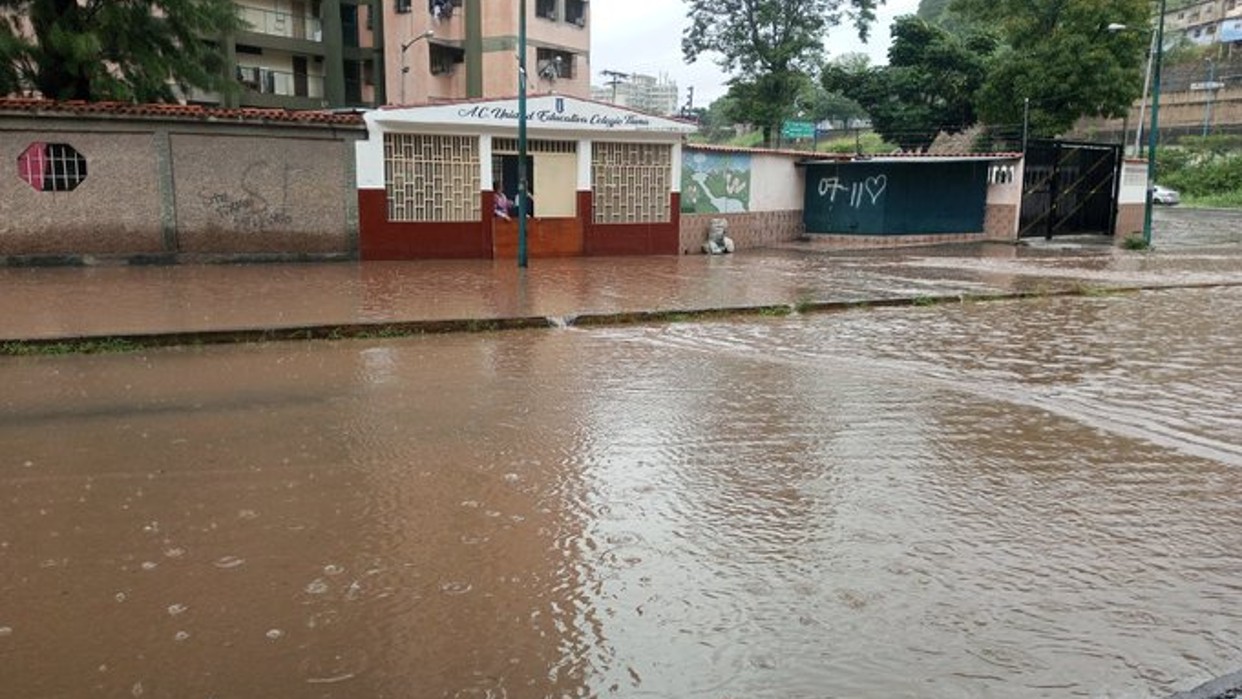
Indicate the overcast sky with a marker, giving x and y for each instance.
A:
(644, 36)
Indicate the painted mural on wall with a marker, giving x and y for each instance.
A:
(715, 183)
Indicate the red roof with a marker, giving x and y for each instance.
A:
(179, 111)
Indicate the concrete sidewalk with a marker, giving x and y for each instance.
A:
(210, 303)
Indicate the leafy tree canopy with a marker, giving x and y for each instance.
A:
(1061, 57)
(136, 50)
(928, 86)
(768, 46)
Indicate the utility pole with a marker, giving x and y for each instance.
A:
(615, 78)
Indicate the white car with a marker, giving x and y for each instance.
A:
(1164, 195)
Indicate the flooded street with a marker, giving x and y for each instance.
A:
(1027, 498)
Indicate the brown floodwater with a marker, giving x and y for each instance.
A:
(1010, 499)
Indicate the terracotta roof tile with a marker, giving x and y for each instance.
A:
(179, 111)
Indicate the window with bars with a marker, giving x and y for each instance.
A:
(432, 178)
(631, 182)
(51, 167)
(552, 64)
(575, 12)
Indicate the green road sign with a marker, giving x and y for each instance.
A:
(798, 129)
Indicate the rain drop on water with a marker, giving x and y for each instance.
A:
(275, 634)
(181, 636)
(317, 586)
(455, 588)
(6, 631)
(149, 565)
(227, 562)
(175, 609)
(333, 569)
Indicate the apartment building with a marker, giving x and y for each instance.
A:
(1206, 21)
(472, 49)
(310, 54)
(646, 93)
(302, 54)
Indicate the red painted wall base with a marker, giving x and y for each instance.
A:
(381, 239)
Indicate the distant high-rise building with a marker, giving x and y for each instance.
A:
(645, 93)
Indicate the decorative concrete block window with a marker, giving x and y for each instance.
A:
(631, 182)
(545, 9)
(432, 178)
(51, 167)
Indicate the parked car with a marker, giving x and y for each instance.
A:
(1163, 195)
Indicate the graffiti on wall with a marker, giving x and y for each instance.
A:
(864, 191)
(247, 209)
(715, 183)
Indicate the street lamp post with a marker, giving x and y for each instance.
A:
(405, 46)
(1151, 55)
(1211, 93)
(1153, 135)
(521, 191)
(1138, 131)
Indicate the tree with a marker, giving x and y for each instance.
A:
(932, 10)
(134, 51)
(717, 120)
(1061, 57)
(768, 46)
(928, 86)
(823, 105)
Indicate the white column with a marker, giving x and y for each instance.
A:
(369, 159)
(584, 166)
(676, 174)
(486, 176)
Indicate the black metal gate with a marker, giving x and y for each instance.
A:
(1069, 188)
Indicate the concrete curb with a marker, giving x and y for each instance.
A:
(128, 342)
(1229, 685)
(124, 342)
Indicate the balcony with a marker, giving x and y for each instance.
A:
(284, 24)
(265, 81)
